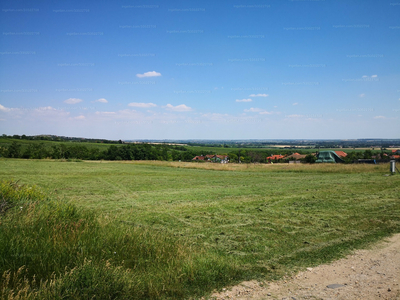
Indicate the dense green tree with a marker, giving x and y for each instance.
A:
(55, 152)
(14, 150)
(367, 154)
(233, 157)
(310, 159)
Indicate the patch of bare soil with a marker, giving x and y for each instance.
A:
(367, 274)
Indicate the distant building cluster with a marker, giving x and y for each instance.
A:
(223, 159)
(328, 156)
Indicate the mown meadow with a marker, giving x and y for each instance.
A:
(158, 230)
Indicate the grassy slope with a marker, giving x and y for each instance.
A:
(268, 218)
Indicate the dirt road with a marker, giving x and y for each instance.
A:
(367, 274)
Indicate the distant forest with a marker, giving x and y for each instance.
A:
(81, 151)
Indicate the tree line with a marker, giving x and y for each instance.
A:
(56, 138)
(113, 152)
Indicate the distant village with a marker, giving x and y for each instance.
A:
(317, 157)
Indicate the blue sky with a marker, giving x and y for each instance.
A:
(295, 69)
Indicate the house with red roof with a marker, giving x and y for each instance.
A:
(275, 157)
(199, 158)
(341, 153)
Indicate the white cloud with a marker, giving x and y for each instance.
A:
(181, 107)
(380, 117)
(361, 95)
(295, 103)
(266, 112)
(149, 74)
(244, 100)
(105, 113)
(259, 110)
(128, 112)
(48, 113)
(101, 100)
(143, 105)
(214, 116)
(73, 101)
(252, 109)
(294, 116)
(81, 117)
(120, 115)
(3, 108)
(45, 108)
(258, 95)
(366, 77)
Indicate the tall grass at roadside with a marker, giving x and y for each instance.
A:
(50, 249)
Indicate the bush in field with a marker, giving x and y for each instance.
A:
(310, 159)
(50, 249)
(13, 151)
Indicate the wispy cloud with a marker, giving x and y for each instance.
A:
(380, 117)
(142, 105)
(3, 108)
(73, 101)
(101, 100)
(105, 113)
(258, 110)
(81, 117)
(253, 109)
(149, 74)
(243, 100)
(45, 108)
(48, 113)
(294, 116)
(370, 77)
(266, 112)
(258, 95)
(361, 95)
(181, 107)
(295, 103)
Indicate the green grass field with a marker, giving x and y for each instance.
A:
(261, 221)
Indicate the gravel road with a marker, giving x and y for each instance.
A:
(367, 274)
